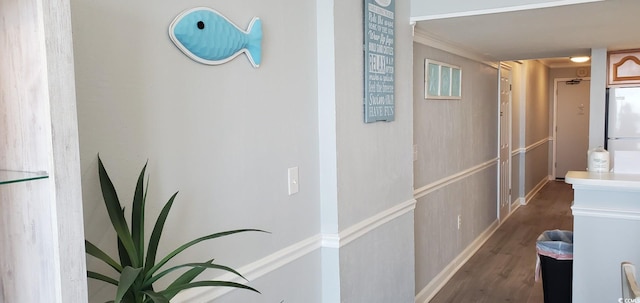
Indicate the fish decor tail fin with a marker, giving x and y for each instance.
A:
(254, 45)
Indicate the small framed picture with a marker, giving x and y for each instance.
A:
(442, 80)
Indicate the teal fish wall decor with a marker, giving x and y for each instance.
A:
(208, 37)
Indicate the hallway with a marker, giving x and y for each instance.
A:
(503, 268)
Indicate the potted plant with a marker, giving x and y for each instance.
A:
(137, 272)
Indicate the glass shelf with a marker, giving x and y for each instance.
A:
(12, 176)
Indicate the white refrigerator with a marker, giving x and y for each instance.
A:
(623, 129)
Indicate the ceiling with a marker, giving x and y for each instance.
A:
(553, 32)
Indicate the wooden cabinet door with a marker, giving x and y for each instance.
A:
(624, 67)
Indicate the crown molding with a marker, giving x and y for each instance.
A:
(424, 38)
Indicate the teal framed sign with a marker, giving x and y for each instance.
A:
(379, 57)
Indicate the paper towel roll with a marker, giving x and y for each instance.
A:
(598, 160)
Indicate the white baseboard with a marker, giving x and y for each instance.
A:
(536, 189)
(429, 291)
(518, 202)
(514, 205)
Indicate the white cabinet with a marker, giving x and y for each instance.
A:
(606, 229)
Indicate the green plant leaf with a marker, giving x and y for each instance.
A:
(155, 235)
(206, 265)
(127, 277)
(185, 278)
(93, 250)
(182, 287)
(156, 297)
(166, 259)
(115, 212)
(135, 284)
(137, 215)
(101, 277)
(122, 253)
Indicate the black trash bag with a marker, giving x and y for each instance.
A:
(555, 262)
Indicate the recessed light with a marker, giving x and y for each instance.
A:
(581, 59)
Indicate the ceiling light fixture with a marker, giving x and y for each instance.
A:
(581, 59)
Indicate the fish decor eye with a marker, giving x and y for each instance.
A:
(200, 25)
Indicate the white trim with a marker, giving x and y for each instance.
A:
(605, 213)
(522, 123)
(554, 127)
(537, 144)
(595, 184)
(518, 202)
(500, 10)
(518, 151)
(327, 142)
(429, 291)
(361, 228)
(427, 39)
(536, 189)
(295, 251)
(527, 149)
(423, 191)
(330, 241)
(252, 271)
(512, 208)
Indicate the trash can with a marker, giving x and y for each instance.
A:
(555, 261)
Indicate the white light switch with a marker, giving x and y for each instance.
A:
(293, 180)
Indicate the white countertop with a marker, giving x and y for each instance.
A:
(603, 179)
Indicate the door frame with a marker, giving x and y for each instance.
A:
(509, 120)
(555, 120)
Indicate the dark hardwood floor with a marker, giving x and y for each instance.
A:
(503, 268)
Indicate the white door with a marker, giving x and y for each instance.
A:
(504, 185)
(572, 126)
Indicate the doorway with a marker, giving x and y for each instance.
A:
(571, 125)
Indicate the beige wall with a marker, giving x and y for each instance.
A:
(225, 136)
(537, 131)
(453, 136)
(537, 103)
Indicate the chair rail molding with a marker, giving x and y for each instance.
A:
(433, 186)
(280, 258)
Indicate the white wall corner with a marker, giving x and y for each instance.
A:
(597, 96)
